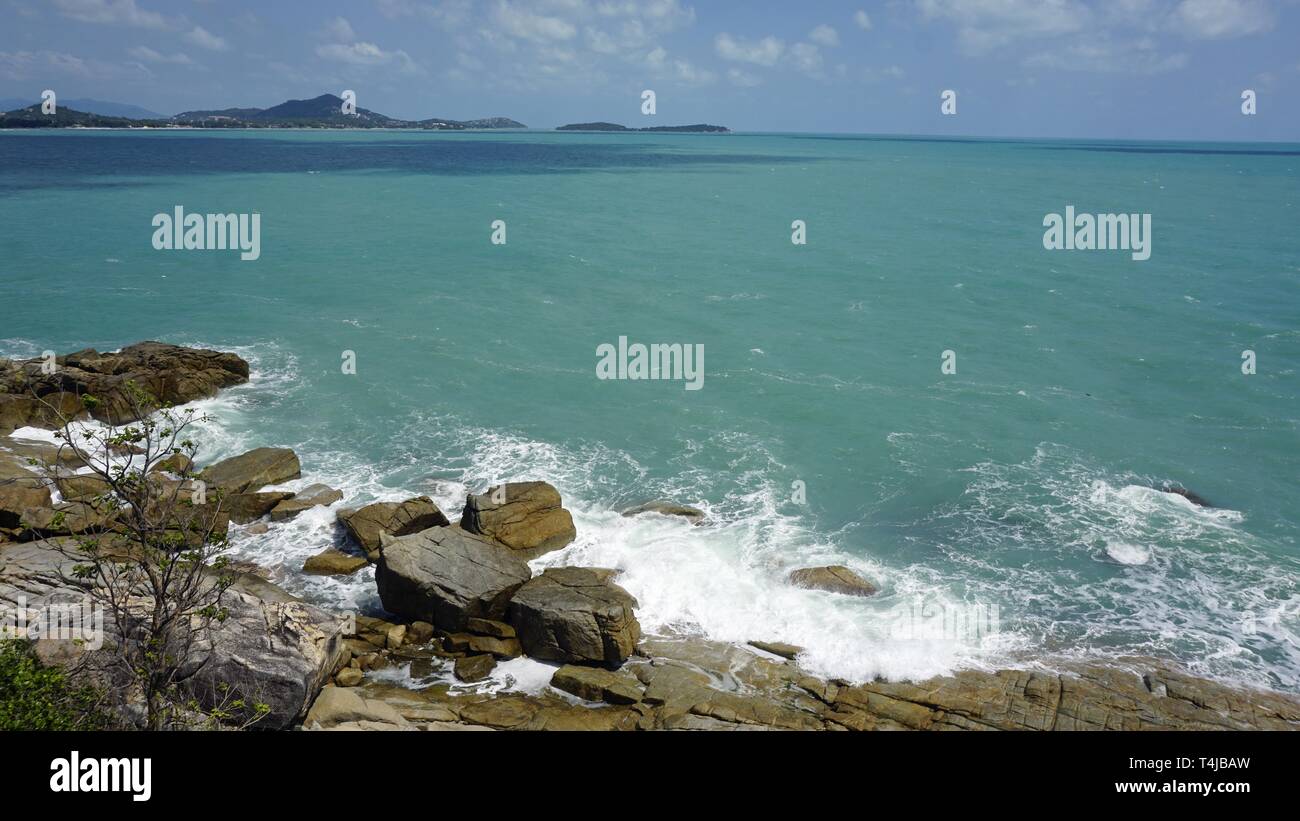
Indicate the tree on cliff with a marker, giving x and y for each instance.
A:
(149, 548)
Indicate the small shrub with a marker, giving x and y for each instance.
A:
(36, 697)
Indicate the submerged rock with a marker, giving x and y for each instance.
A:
(253, 470)
(692, 514)
(474, 668)
(305, 499)
(1194, 498)
(332, 562)
(369, 523)
(576, 614)
(597, 684)
(525, 516)
(832, 579)
(445, 576)
(778, 648)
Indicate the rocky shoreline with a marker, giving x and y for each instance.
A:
(461, 600)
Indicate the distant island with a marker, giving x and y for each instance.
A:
(700, 128)
(325, 111)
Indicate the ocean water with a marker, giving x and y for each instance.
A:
(1014, 495)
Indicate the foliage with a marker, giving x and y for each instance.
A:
(36, 697)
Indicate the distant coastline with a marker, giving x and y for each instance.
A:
(699, 128)
(325, 112)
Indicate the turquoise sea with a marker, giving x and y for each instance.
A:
(1021, 485)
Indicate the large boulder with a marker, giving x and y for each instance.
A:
(342, 708)
(253, 470)
(446, 576)
(832, 579)
(577, 615)
(65, 519)
(305, 499)
(82, 487)
(523, 516)
(17, 495)
(27, 458)
(171, 374)
(249, 507)
(271, 648)
(178, 463)
(49, 411)
(369, 523)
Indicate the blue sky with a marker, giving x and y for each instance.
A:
(1051, 68)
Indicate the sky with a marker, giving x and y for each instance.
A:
(1139, 69)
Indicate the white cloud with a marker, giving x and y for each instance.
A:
(743, 78)
(358, 54)
(684, 71)
(340, 29)
(765, 52)
(448, 13)
(1110, 57)
(114, 12)
(876, 75)
(1104, 36)
(658, 62)
(984, 25)
(150, 56)
(571, 43)
(770, 51)
(203, 38)
(23, 65)
(825, 35)
(516, 21)
(1215, 19)
(660, 15)
(864, 22)
(806, 57)
(367, 54)
(601, 42)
